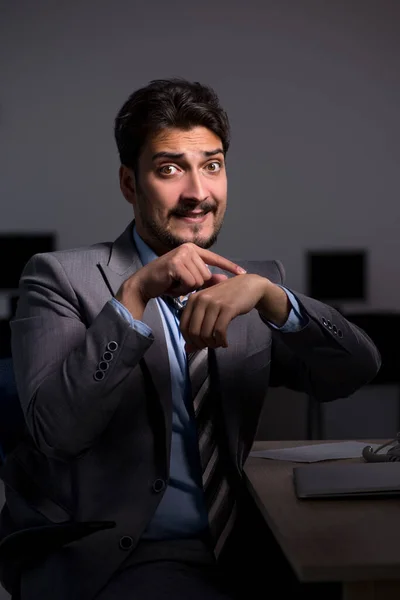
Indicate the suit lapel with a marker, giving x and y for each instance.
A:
(123, 262)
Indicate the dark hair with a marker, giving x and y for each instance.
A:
(165, 103)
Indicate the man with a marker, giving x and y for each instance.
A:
(141, 410)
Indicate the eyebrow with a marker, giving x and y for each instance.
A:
(177, 155)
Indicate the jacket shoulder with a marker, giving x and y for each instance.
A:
(93, 253)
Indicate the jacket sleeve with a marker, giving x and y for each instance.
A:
(70, 377)
(328, 358)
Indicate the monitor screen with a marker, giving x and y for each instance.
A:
(5, 339)
(337, 275)
(16, 250)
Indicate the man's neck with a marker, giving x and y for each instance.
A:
(150, 242)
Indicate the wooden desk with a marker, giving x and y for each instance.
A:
(355, 542)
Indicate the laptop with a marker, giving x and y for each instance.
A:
(347, 480)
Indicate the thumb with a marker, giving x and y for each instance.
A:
(217, 278)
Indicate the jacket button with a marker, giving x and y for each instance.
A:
(126, 542)
(340, 333)
(159, 485)
(334, 329)
(107, 356)
(324, 321)
(99, 375)
(112, 346)
(103, 365)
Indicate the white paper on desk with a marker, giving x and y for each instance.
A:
(316, 452)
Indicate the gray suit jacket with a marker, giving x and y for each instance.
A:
(94, 448)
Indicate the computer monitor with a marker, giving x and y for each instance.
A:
(5, 339)
(16, 249)
(337, 276)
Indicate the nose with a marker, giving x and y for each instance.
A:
(195, 188)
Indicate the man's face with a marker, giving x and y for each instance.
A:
(181, 189)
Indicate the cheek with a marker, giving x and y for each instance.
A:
(220, 196)
(221, 190)
(160, 198)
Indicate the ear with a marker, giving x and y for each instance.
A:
(127, 183)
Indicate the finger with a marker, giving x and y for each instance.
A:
(200, 326)
(185, 316)
(210, 258)
(198, 322)
(207, 333)
(190, 323)
(183, 282)
(202, 267)
(221, 327)
(198, 269)
(198, 273)
(217, 278)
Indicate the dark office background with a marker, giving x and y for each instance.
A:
(312, 89)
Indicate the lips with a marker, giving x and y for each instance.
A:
(197, 215)
(193, 215)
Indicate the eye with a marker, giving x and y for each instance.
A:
(168, 170)
(214, 166)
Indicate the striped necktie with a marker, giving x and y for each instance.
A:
(219, 497)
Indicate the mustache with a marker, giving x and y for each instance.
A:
(204, 207)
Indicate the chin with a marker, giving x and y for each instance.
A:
(204, 241)
(201, 241)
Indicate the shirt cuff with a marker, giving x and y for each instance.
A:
(138, 326)
(296, 319)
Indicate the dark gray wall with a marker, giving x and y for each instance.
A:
(312, 90)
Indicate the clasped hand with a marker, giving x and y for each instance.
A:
(208, 312)
(216, 300)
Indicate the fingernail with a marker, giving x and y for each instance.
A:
(240, 270)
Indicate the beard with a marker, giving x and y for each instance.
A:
(159, 233)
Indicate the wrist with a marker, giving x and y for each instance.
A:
(130, 295)
(274, 304)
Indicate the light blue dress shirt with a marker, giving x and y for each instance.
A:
(181, 512)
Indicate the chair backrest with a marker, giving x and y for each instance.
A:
(12, 420)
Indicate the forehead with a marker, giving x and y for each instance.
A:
(191, 141)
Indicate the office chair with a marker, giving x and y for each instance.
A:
(12, 420)
(11, 416)
(322, 265)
